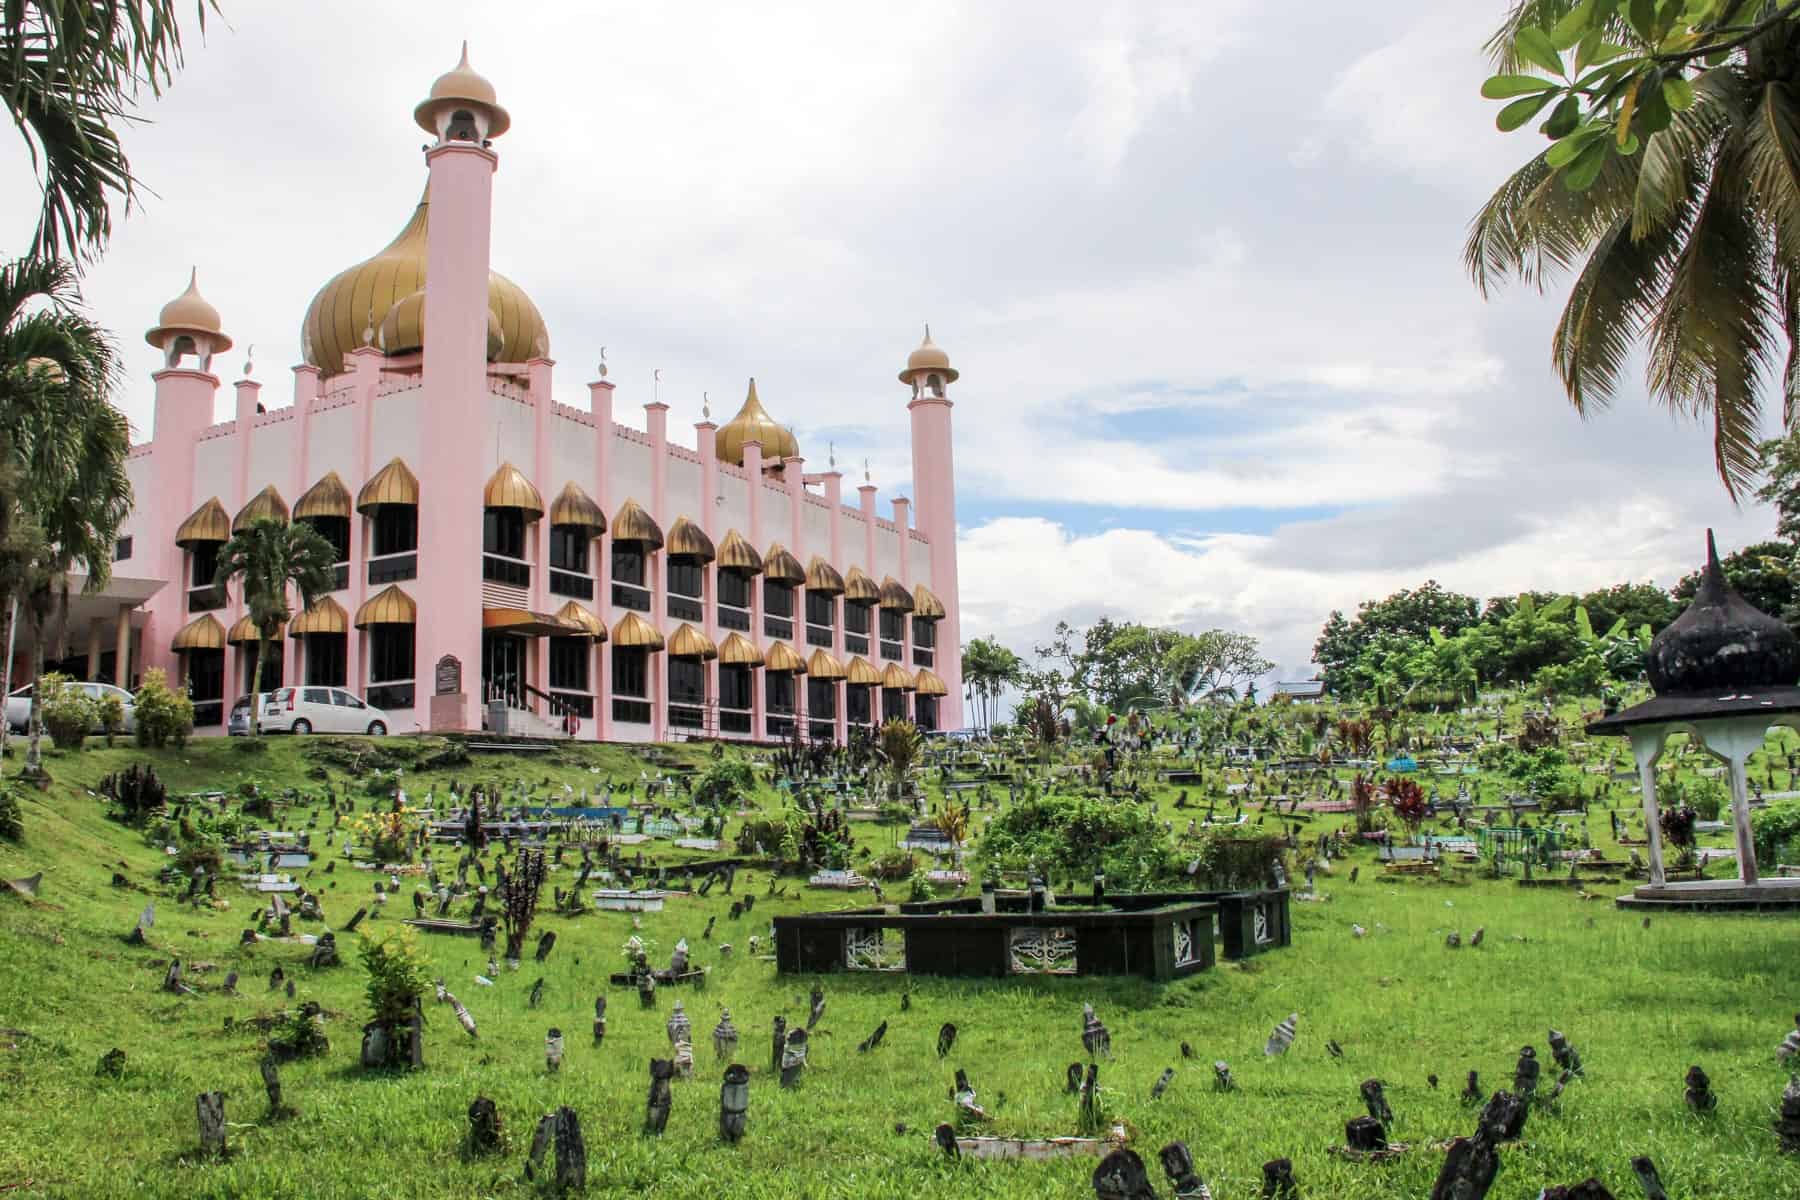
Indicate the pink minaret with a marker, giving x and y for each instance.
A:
(188, 333)
(929, 373)
(463, 115)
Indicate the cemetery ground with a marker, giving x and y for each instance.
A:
(1641, 1004)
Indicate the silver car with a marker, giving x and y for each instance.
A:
(18, 705)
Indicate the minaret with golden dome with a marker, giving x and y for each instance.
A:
(188, 324)
(465, 115)
(929, 374)
(754, 424)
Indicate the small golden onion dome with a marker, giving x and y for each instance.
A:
(573, 506)
(929, 684)
(507, 487)
(858, 673)
(895, 596)
(859, 588)
(266, 505)
(393, 484)
(576, 614)
(326, 498)
(689, 643)
(243, 632)
(739, 651)
(737, 554)
(928, 358)
(822, 577)
(781, 660)
(461, 87)
(390, 606)
(822, 665)
(208, 523)
(896, 679)
(188, 313)
(754, 424)
(926, 605)
(633, 632)
(323, 615)
(632, 524)
(392, 285)
(689, 543)
(781, 567)
(202, 633)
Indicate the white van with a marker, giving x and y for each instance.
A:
(320, 710)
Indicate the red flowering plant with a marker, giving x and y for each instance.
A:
(1407, 801)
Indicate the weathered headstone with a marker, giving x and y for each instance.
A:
(1525, 1074)
(793, 1058)
(734, 1102)
(1094, 1037)
(656, 1106)
(1178, 1165)
(1787, 1124)
(1565, 1055)
(1375, 1100)
(1121, 1176)
(271, 1076)
(553, 1049)
(1699, 1094)
(1278, 1180)
(1221, 1076)
(209, 1107)
(873, 1040)
(1648, 1179)
(1283, 1036)
(724, 1035)
(112, 1063)
(946, 1038)
(484, 1127)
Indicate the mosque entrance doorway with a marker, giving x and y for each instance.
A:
(503, 667)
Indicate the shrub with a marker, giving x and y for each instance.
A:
(164, 716)
(726, 783)
(1776, 832)
(1232, 858)
(299, 1033)
(1074, 835)
(12, 821)
(137, 791)
(396, 977)
(109, 714)
(894, 866)
(67, 712)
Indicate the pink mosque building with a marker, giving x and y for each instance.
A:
(510, 561)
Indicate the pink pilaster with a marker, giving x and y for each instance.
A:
(542, 468)
(866, 496)
(759, 690)
(902, 518)
(184, 407)
(364, 364)
(834, 497)
(306, 390)
(455, 403)
(794, 480)
(934, 485)
(600, 406)
(705, 441)
(656, 424)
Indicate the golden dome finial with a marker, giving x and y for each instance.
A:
(754, 424)
(189, 314)
(928, 359)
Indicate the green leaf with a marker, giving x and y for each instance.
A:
(1617, 630)
(1653, 115)
(1642, 15)
(1563, 118)
(1586, 168)
(1521, 111)
(1630, 146)
(1574, 26)
(1534, 46)
(1678, 93)
(1586, 49)
(1564, 152)
(1584, 624)
(1504, 87)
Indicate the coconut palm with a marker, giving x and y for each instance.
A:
(1689, 245)
(71, 72)
(66, 444)
(989, 669)
(267, 556)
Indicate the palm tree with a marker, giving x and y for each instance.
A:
(1690, 245)
(989, 669)
(268, 555)
(66, 445)
(71, 71)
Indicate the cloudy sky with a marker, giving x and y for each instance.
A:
(1199, 265)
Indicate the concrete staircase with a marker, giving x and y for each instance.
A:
(506, 720)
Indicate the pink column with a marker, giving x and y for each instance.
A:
(834, 496)
(365, 366)
(866, 494)
(934, 484)
(184, 406)
(759, 690)
(794, 481)
(454, 443)
(705, 442)
(242, 488)
(306, 390)
(542, 468)
(656, 424)
(600, 405)
(901, 505)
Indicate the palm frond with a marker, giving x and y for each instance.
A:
(1673, 160)
(1611, 300)
(1711, 338)
(1772, 161)
(1533, 226)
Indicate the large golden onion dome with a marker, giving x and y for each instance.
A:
(754, 424)
(929, 357)
(381, 302)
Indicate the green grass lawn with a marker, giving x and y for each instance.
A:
(1640, 1004)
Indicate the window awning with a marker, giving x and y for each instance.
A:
(859, 673)
(689, 543)
(781, 567)
(244, 632)
(688, 642)
(822, 665)
(739, 651)
(926, 605)
(526, 623)
(737, 554)
(930, 685)
(582, 617)
(893, 595)
(208, 523)
(507, 487)
(896, 679)
(859, 588)
(823, 578)
(202, 633)
(326, 498)
(781, 660)
(573, 506)
(634, 633)
(632, 524)
(266, 505)
(393, 484)
(389, 606)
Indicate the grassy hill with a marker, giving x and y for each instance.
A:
(1641, 1004)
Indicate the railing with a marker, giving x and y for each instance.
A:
(391, 695)
(685, 717)
(891, 651)
(625, 595)
(206, 599)
(780, 727)
(684, 608)
(823, 731)
(511, 571)
(394, 568)
(855, 645)
(734, 618)
(922, 658)
(817, 635)
(634, 712)
(731, 721)
(579, 703)
(775, 627)
(209, 712)
(581, 587)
